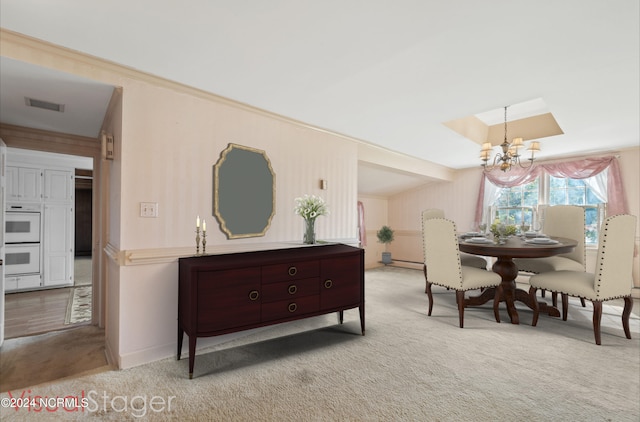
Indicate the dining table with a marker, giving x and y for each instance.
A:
(504, 252)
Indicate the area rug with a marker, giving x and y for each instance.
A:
(79, 307)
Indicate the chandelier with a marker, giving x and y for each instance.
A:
(510, 155)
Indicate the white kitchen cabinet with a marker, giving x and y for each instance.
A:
(21, 282)
(58, 186)
(24, 184)
(58, 244)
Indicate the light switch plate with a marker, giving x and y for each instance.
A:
(149, 209)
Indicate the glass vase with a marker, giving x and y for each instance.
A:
(309, 231)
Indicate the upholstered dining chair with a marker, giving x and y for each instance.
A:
(612, 278)
(442, 266)
(561, 221)
(467, 259)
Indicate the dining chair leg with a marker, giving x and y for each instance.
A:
(426, 287)
(460, 301)
(554, 299)
(536, 308)
(565, 306)
(584, 305)
(496, 302)
(430, 296)
(626, 313)
(597, 317)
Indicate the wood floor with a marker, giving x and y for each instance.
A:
(26, 356)
(29, 361)
(37, 312)
(42, 311)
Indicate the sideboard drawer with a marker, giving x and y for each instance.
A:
(290, 308)
(289, 290)
(290, 271)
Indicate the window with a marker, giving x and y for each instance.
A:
(517, 204)
(565, 191)
(521, 203)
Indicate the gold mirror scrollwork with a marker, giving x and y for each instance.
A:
(244, 192)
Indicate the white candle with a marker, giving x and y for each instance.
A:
(204, 226)
(198, 222)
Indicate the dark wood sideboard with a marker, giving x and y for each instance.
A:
(229, 292)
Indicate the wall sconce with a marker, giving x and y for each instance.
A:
(323, 184)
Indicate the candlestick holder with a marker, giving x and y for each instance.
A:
(204, 242)
(197, 240)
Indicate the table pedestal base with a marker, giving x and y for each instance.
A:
(508, 270)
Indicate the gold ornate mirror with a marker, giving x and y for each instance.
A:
(244, 192)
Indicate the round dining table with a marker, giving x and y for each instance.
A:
(514, 247)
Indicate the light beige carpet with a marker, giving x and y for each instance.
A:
(408, 367)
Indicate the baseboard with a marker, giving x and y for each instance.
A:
(152, 354)
(110, 355)
(407, 264)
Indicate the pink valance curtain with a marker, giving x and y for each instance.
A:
(578, 169)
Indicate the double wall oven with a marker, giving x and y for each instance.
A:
(23, 247)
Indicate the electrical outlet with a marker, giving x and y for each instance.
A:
(149, 209)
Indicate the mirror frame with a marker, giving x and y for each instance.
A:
(222, 185)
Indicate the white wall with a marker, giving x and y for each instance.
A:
(169, 144)
(375, 216)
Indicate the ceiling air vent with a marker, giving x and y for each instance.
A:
(32, 102)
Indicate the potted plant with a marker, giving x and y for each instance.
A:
(385, 236)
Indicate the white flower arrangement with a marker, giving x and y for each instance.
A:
(310, 206)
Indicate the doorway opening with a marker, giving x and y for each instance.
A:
(68, 304)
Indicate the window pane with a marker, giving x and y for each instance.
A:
(591, 198)
(515, 197)
(575, 182)
(575, 196)
(501, 214)
(515, 216)
(530, 198)
(556, 182)
(528, 216)
(591, 229)
(557, 197)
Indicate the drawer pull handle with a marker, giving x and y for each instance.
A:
(253, 295)
(293, 289)
(328, 284)
(293, 271)
(292, 307)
